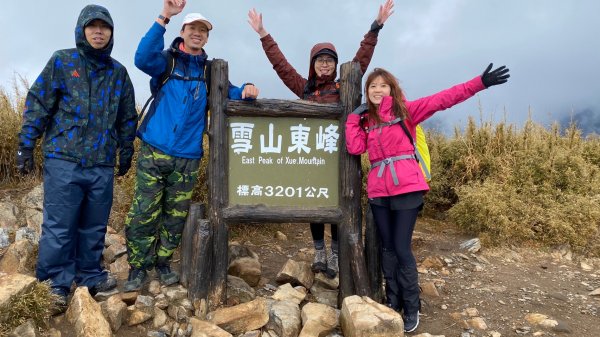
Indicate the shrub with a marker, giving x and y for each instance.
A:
(513, 186)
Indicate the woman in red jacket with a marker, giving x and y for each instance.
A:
(395, 184)
(321, 87)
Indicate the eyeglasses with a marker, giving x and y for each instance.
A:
(324, 60)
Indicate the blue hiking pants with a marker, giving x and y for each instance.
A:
(77, 202)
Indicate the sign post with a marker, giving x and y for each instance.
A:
(279, 161)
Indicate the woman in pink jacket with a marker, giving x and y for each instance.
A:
(395, 184)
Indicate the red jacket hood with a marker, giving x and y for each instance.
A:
(315, 51)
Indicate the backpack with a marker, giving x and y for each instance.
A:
(421, 150)
(168, 74)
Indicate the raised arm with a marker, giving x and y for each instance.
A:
(290, 77)
(425, 107)
(367, 45)
(148, 57)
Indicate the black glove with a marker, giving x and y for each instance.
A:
(25, 160)
(375, 27)
(497, 76)
(124, 167)
(361, 109)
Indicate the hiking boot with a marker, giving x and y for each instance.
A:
(411, 322)
(166, 276)
(59, 303)
(320, 261)
(109, 283)
(135, 280)
(332, 265)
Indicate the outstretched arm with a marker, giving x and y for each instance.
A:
(425, 107)
(367, 45)
(290, 77)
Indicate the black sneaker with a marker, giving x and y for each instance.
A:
(59, 303)
(135, 280)
(166, 275)
(109, 283)
(411, 322)
(320, 261)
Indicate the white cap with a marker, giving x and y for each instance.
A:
(197, 17)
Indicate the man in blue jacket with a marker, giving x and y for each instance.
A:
(83, 103)
(171, 134)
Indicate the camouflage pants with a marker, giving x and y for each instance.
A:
(163, 190)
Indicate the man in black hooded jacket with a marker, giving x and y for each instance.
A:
(83, 103)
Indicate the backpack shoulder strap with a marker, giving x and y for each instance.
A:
(164, 77)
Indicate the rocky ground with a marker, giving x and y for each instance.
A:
(469, 290)
(516, 291)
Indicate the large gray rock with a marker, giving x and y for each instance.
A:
(361, 317)
(34, 219)
(206, 329)
(296, 273)
(4, 238)
(318, 320)
(325, 282)
(136, 316)
(35, 198)
(180, 310)
(111, 239)
(324, 295)
(175, 293)
(238, 291)
(160, 318)
(26, 233)
(8, 216)
(120, 268)
(86, 316)
(236, 251)
(241, 318)
(247, 268)
(114, 310)
(27, 329)
(284, 319)
(287, 293)
(19, 257)
(113, 252)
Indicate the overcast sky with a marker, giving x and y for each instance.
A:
(552, 47)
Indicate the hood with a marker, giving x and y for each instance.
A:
(89, 13)
(317, 49)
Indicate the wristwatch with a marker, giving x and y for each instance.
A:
(165, 20)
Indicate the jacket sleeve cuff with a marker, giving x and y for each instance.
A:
(375, 27)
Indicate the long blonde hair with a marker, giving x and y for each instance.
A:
(398, 106)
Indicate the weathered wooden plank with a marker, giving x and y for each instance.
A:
(217, 187)
(373, 257)
(261, 213)
(200, 272)
(353, 271)
(284, 108)
(188, 252)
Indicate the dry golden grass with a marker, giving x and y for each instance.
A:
(517, 186)
(36, 305)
